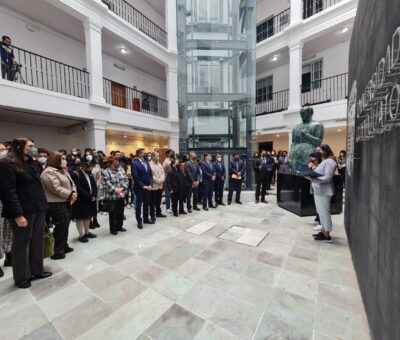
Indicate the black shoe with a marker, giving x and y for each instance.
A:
(175, 214)
(238, 202)
(23, 284)
(257, 201)
(96, 223)
(90, 235)
(114, 232)
(1, 272)
(221, 203)
(197, 209)
(205, 209)
(68, 249)
(83, 239)
(140, 226)
(41, 276)
(7, 261)
(323, 238)
(264, 201)
(122, 229)
(161, 215)
(315, 235)
(183, 212)
(229, 203)
(148, 222)
(58, 257)
(153, 220)
(123, 217)
(212, 206)
(189, 211)
(91, 225)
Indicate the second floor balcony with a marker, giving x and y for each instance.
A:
(273, 25)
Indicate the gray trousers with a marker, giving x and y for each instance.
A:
(28, 247)
(323, 206)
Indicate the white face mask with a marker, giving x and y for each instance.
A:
(63, 163)
(89, 158)
(3, 154)
(219, 159)
(74, 153)
(42, 160)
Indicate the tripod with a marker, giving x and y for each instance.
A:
(16, 70)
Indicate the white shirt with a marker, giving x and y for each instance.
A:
(88, 180)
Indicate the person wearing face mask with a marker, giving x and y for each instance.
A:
(60, 192)
(173, 183)
(143, 185)
(115, 185)
(85, 206)
(236, 173)
(71, 157)
(24, 205)
(192, 174)
(94, 223)
(170, 155)
(261, 173)
(157, 189)
(208, 176)
(219, 179)
(341, 166)
(41, 159)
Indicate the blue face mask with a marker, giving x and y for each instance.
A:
(32, 153)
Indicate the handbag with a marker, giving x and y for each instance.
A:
(48, 243)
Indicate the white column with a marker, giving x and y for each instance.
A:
(174, 139)
(296, 11)
(170, 24)
(96, 134)
(172, 91)
(290, 136)
(94, 60)
(295, 72)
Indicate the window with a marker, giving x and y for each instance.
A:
(312, 75)
(265, 29)
(312, 7)
(208, 11)
(209, 77)
(149, 102)
(264, 89)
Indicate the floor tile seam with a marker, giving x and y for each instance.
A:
(317, 297)
(284, 262)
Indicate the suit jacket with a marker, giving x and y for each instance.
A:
(267, 167)
(173, 181)
(192, 171)
(235, 167)
(207, 170)
(141, 176)
(21, 192)
(84, 208)
(219, 169)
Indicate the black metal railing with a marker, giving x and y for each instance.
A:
(129, 98)
(273, 25)
(137, 19)
(325, 90)
(35, 70)
(276, 102)
(312, 7)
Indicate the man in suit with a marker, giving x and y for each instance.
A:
(143, 181)
(262, 171)
(193, 174)
(236, 173)
(208, 175)
(220, 174)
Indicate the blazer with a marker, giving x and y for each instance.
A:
(219, 169)
(208, 171)
(141, 176)
(233, 168)
(174, 181)
(158, 175)
(192, 171)
(84, 208)
(58, 186)
(21, 192)
(323, 186)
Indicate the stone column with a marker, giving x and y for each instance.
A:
(296, 11)
(290, 135)
(94, 60)
(295, 72)
(172, 92)
(170, 24)
(96, 134)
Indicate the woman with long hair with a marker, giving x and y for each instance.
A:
(323, 191)
(60, 192)
(24, 205)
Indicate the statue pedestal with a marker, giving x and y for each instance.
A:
(294, 195)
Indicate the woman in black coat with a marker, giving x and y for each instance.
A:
(174, 185)
(85, 207)
(24, 205)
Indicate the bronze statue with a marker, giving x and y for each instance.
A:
(305, 138)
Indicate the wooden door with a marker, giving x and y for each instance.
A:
(118, 92)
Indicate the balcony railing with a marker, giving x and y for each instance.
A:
(276, 102)
(325, 90)
(137, 19)
(129, 98)
(273, 25)
(312, 7)
(35, 70)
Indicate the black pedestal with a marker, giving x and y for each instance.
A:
(294, 195)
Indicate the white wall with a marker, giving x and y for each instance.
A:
(144, 7)
(280, 77)
(268, 8)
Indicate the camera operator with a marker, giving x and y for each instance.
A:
(7, 58)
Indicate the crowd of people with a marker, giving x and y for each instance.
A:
(41, 189)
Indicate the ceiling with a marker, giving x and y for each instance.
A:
(34, 118)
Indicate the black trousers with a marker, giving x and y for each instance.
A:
(142, 202)
(195, 192)
(269, 180)
(207, 193)
(234, 185)
(116, 214)
(60, 214)
(188, 196)
(155, 203)
(6, 72)
(28, 247)
(200, 192)
(218, 190)
(177, 198)
(261, 183)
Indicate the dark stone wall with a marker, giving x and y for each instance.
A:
(372, 213)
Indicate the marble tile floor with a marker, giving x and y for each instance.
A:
(166, 283)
